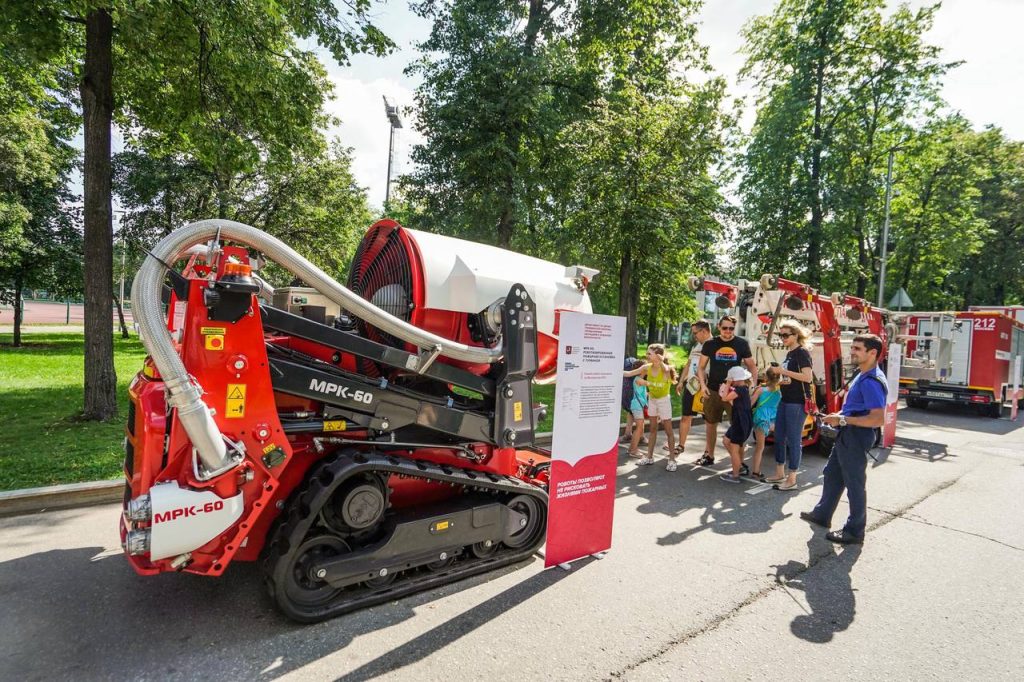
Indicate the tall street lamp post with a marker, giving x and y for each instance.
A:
(885, 229)
(396, 122)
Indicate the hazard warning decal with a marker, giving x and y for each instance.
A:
(235, 401)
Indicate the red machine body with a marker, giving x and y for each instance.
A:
(399, 441)
(408, 273)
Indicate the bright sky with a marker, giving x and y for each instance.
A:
(983, 33)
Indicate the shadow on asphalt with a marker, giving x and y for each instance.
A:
(923, 450)
(111, 623)
(452, 630)
(827, 587)
(958, 417)
(725, 508)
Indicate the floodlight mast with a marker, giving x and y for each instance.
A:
(395, 119)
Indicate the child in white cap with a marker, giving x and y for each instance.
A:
(736, 390)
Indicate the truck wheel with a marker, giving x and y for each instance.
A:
(995, 410)
(917, 403)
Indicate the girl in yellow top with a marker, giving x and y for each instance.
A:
(659, 378)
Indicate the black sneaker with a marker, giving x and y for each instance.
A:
(811, 518)
(843, 538)
(744, 470)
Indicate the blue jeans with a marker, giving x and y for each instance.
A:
(847, 468)
(789, 427)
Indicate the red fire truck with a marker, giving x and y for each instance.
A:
(972, 354)
(1014, 311)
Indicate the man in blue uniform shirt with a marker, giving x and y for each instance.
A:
(863, 411)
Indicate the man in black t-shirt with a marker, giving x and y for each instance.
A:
(718, 356)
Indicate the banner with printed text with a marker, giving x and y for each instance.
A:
(892, 377)
(584, 447)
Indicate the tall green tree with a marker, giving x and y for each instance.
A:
(212, 76)
(641, 198)
(40, 245)
(310, 200)
(498, 81)
(568, 130)
(936, 221)
(838, 83)
(994, 274)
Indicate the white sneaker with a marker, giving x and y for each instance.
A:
(671, 466)
(644, 461)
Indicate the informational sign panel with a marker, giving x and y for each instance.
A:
(892, 377)
(1016, 388)
(584, 447)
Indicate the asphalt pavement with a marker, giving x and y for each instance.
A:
(705, 581)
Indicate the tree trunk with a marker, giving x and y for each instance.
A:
(652, 322)
(19, 313)
(634, 306)
(223, 187)
(506, 223)
(814, 238)
(120, 318)
(863, 264)
(627, 304)
(97, 111)
(969, 286)
(999, 293)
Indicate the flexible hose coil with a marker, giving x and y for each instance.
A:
(184, 394)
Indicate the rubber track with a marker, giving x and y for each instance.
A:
(302, 510)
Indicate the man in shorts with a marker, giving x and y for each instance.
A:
(718, 356)
(701, 333)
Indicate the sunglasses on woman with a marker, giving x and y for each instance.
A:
(785, 335)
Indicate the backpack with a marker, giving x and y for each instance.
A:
(627, 383)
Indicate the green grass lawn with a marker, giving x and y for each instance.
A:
(43, 443)
(41, 440)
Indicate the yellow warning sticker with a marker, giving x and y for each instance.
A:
(517, 411)
(334, 425)
(206, 331)
(270, 448)
(235, 401)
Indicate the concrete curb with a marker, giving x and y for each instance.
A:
(72, 495)
(31, 500)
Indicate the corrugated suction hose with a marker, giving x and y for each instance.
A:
(183, 392)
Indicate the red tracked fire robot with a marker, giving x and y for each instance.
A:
(362, 442)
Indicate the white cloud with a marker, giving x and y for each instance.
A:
(986, 35)
(982, 33)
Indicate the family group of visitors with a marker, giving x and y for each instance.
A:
(773, 402)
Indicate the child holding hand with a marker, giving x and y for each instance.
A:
(658, 379)
(766, 403)
(736, 390)
(637, 411)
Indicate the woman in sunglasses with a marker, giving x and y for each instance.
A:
(789, 420)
